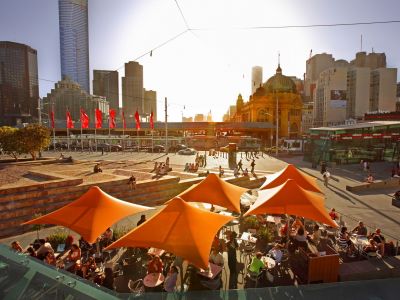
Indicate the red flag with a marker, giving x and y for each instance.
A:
(70, 124)
(112, 118)
(137, 120)
(123, 120)
(99, 118)
(52, 119)
(151, 120)
(84, 119)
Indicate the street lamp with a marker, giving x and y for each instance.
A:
(276, 127)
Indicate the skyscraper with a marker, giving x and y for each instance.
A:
(19, 88)
(256, 78)
(105, 83)
(150, 103)
(132, 89)
(74, 41)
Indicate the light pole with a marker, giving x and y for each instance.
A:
(277, 126)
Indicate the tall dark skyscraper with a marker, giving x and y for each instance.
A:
(19, 89)
(105, 83)
(74, 41)
(132, 89)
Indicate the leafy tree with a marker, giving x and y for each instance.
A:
(34, 138)
(10, 141)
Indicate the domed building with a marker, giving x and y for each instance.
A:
(279, 90)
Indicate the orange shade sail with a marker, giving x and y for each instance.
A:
(290, 198)
(291, 172)
(91, 214)
(178, 228)
(215, 191)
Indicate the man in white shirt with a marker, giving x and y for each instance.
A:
(326, 177)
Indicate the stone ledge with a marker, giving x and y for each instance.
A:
(376, 185)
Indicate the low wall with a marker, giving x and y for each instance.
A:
(19, 204)
(376, 185)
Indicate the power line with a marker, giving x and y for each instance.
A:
(296, 26)
(183, 17)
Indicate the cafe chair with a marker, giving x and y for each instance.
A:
(136, 287)
(254, 277)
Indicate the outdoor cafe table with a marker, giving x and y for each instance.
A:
(246, 236)
(153, 279)
(359, 241)
(156, 251)
(212, 271)
(269, 262)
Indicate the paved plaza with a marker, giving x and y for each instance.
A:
(373, 207)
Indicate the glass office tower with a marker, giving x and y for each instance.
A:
(74, 41)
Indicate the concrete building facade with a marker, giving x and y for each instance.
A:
(256, 78)
(106, 84)
(330, 103)
(74, 41)
(69, 95)
(132, 89)
(150, 103)
(19, 86)
(383, 89)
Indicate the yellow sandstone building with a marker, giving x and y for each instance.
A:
(277, 93)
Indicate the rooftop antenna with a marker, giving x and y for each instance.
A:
(361, 44)
(279, 58)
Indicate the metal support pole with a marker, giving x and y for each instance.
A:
(277, 126)
(166, 126)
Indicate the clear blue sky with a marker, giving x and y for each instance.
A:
(206, 69)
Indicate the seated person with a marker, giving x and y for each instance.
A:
(142, 220)
(380, 240)
(236, 172)
(397, 195)
(74, 255)
(221, 171)
(155, 167)
(68, 242)
(107, 237)
(301, 238)
(89, 266)
(246, 172)
(372, 247)
(170, 279)
(97, 168)
(276, 252)
(43, 249)
(16, 246)
(315, 237)
(360, 229)
(283, 229)
(61, 156)
(297, 224)
(370, 179)
(216, 257)
(334, 214)
(50, 259)
(256, 265)
(155, 265)
(196, 167)
(108, 279)
(345, 242)
(186, 167)
(31, 252)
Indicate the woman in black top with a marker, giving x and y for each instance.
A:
(231, 247)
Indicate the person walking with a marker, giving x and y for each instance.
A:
(240, 165)
(326, 177)
(253, 164)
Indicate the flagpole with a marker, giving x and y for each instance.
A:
(137, 132)
(95, 135)
(81, 132)
(54, 127)
(123, 131)
(109, 130)
(68, 130)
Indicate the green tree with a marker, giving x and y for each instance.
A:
(10, 141)
(34, 138)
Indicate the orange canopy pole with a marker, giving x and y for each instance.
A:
(178, 228)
